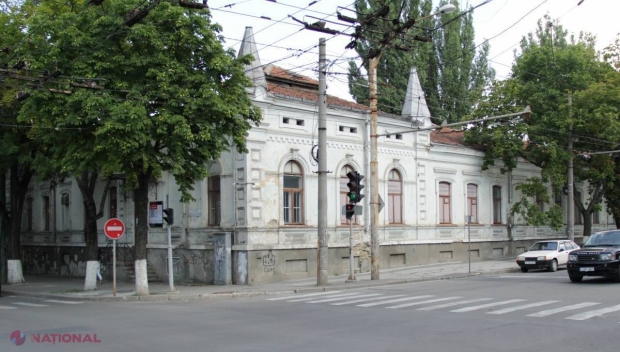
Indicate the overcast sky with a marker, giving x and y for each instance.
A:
(281, 40)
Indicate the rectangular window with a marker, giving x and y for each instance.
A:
(214, 201)
(292, 207)
(113, 202)
(29, 214)
(472, 202)
(444, 203)
(46, 213)
(395, 203)
(596, 218)
(497, 205)
(540, 204)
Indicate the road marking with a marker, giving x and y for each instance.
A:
(545, 313)
(31, 304)
(529, 277)
(393, 301)
(329, 296)
(299, 296)
(525, 306)
(63, 302)
(422, 302)
(469, 309)
(364, 300)
(7, 307)
(594, 313)
(342, 298)
(451, 304)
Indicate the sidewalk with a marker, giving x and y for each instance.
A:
(71, 288)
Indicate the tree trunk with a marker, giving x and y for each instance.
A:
(4, 221)
(617, 219)
(19, 181)
(142, 228)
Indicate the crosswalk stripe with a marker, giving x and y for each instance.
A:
(299, 296)
(548, 312)
(31, 304)
(422, 302)
(330, 296)
(525, 306)
(63, 302)
(451, 304)
(469, 309)
(7, 307)
(342, 298)
(364, 300)
(393, 301)
(594, 313)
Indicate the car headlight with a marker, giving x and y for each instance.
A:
(521, 258)
(572, 258)
(542, 258)
(607, 256)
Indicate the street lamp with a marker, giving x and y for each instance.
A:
(374, 176)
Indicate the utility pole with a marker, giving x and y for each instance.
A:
(571, 195)
(322, 277)
(374, 169)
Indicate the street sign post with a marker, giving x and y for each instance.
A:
(114, 229)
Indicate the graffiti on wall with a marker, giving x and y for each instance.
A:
(269, 262)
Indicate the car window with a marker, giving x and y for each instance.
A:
(611, 238)
(544, 246)
(562, 246)
(569, 246)
(575, 245)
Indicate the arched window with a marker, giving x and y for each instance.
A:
(293, 194)
(214, 199)
(344, 189)
(497, 204)
(472, 202)
(395, 197)
(444, 203)
(65, 212)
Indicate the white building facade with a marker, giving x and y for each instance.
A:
(266, 200)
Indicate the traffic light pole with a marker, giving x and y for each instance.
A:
(322, 277)
(351, 257)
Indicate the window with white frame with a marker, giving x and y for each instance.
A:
(472, 202)
(293, 194)
(395, 197)
(214, 200)
(444, 203)
(497, 204)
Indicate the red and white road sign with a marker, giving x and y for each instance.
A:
(114, 228)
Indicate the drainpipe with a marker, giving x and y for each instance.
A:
(54, 214)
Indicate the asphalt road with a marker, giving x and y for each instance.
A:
(535, 311)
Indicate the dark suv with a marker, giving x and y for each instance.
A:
(599, 256)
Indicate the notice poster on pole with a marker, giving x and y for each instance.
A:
(156, 214)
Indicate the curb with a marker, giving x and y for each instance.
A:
(176, 297)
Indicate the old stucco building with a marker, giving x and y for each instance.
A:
(266, 200)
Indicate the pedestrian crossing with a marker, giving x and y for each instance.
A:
(455, 304)
(39, 304)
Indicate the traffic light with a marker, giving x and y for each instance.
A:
(350, 211)
(169, 216)
(355, 187)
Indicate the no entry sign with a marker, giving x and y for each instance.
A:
(114, 228)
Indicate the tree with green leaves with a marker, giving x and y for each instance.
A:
(453, 71)
(142, 90)
(558, 77)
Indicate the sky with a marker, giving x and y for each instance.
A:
(283, 42)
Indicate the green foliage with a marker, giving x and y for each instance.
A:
(452, 73)
(172, 98)
(533, 212)
(549, 68)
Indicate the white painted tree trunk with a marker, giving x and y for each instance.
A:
(15, 273)
(90, 281)
(142, 280)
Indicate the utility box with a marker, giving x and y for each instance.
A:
(223, 259)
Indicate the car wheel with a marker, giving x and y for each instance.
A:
(553, 266)
(575, 278)
(524, 270)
